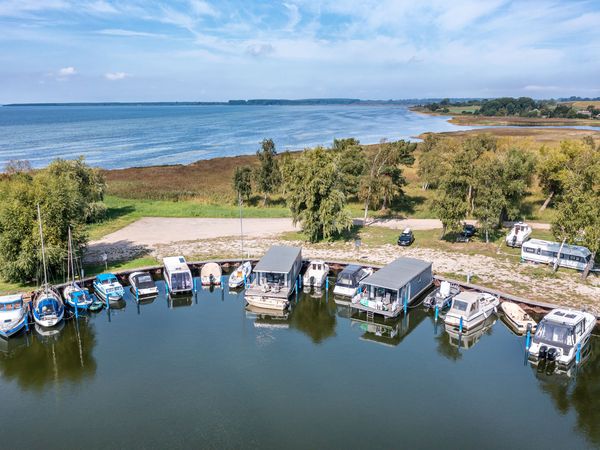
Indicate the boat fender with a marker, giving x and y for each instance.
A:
(552, 354)
(543, 352)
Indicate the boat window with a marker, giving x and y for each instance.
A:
(144, 279)
(579, 328)
(473, 307)
(181, 280)
(459, 305)
(553, 332)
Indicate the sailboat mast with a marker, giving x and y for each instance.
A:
(241, 226)
(43, 249)
(71, 258)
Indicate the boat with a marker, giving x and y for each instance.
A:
(74, 295)
(316, 274)
(469, 309)
(107, 287)
(210, 274)
(47, 306)
(560, 335)
(347, 282)
(142, 285)
(177, 275)
(393, 288)
(516, 318)
(13, 315)
(518, 234)
(240, 275)
(96, 305)
(276, 277)
(441, 296)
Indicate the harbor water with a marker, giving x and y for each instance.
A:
(203, 371)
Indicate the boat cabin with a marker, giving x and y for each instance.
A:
(277, 271)
(546, 252)
(387, 290)
(561, 327)
(11, 302)
(177, 274)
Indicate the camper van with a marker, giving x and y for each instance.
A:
(177, 275)
(571, 256)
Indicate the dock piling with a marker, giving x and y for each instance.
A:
(436, 313)
(528, 338)
(578, 354)
(460, 326)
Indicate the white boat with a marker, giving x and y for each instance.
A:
(442, 296)
(316, 274)
(46, 306)
(75, 295)
(177, 275)
(271, 297)
(13, 315)
(108, 288)
(142, 285)
(560, 335)
(471, 309)
(240, 275)
(519, 233)
(348, 280)
(210, 274)
(516, 318)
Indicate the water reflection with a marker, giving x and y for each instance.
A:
(52, 356)
(268, 318)
(314, 315)
(390, 332)
(468, 339)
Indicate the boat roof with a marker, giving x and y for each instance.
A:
(468, 296)
(11, 298)
(351, 268)
(556, 245)
(397, 273)
(279, 259)
(564, 316)
(175, 263)
(105, 276)
(210, 268)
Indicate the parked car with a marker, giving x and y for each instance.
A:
(406, 238)
(467, 233)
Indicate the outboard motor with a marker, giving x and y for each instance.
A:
(543, 353)
(551, 354)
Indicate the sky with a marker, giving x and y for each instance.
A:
(201, 50)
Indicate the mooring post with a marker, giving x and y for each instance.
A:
(137, 295)
(327, 283)
(460, 326)
(245, 281)
(436, 313)
(528, 338)
(195, 285)
(405, 305)
(222, 281)
(578, 354)
(76, 309)
(108, 302)
(27, 318)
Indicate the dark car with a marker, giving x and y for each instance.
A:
(406, 238)
(467, 233)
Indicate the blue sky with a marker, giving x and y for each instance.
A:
(134, 50)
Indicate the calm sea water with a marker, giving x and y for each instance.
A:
(126, 136)
(206, 373)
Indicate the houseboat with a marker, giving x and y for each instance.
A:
(560, 335)
(316, 274)
(519, 233)
(546, 252)
(348, 280)
(275, 277)
(399, 283)
(142, 284)
(13, 315)
(470, 309)
(177, 275)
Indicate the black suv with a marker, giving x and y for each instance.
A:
(406, 238)
(467, 233)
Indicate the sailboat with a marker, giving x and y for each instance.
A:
(47, 306)
(75, 296)
(241, 274)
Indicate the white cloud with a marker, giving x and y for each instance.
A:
(67, 71)
(294, 16)
(101, 7)
(129, 33)
(202, 8)
(115, 76)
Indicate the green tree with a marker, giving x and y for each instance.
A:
(351, 162)
(518, 167)
(451, 210)
(242, 182)
(268, 176)
(490, 199)
(553, 168)
(315, 197)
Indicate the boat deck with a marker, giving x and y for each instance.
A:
(381, 312)
(259, 292)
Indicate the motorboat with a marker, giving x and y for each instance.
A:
(210, 274)
(315, 274)
(469, 309)
(74, 295)
(441, 296)
(108, 288)
(347, 282)
(240, 275)
(518, 234)
(516, 318)
(13, 315)
(560, 335)
(47, 306)
(177, 275)
(142, 284)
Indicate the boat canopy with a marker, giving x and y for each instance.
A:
(10, 299)
(350, 276)
(106, 278)
(211, 269)
(279, 259)
(397, 274)
(175, 264)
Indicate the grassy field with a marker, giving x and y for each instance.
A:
(584, 104)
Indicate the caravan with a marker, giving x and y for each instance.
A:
(571, 256)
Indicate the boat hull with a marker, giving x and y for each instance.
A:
(6, 333)
(471, 322)
(265, 302)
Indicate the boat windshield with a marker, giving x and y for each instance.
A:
(346, 279)
(181, 280)
(554, 332)
(110, 280)
(10, 306)
(459, 305)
